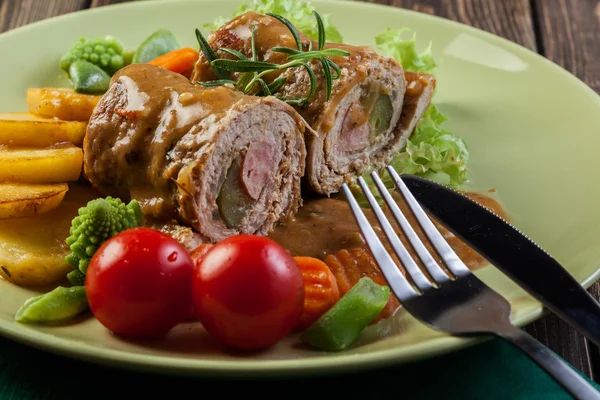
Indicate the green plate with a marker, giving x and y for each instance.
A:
(532, 131)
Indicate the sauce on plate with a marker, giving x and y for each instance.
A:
(325, 226)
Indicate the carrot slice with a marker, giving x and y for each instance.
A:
(321, 290)
(181, 61)
(348, 266)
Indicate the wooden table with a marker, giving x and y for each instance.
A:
(565, 31)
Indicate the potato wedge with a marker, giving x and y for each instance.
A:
(61, 103)
(21, 200)
(26, 165)
(26, 129)
(33, 250)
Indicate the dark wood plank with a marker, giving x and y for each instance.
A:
(14, 13)
(100, 3)
(570, 36)
(563, 340)
(593, 350)
(510, 19)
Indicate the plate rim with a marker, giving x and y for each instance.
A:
(343, 362)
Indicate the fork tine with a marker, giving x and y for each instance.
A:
(407, 261)
(399, 284)
(437, 273)
(454, 263)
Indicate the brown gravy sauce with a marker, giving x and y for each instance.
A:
(141, 149)
(326, 225)
(415, 83)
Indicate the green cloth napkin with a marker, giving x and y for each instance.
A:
(491, 370)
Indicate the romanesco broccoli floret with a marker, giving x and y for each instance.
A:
(98, 221)
(106, 52)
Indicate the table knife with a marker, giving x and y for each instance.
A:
(512, 252)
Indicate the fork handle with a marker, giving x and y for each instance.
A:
(554, 365)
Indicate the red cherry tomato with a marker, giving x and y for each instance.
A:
(197, 255)
(248, 292)
(199, 252)
(138, 283)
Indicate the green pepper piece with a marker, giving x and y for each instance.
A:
(381, 115)
(88, 78)
(233, 202)
(160, 42)
(339, 327)
(56, 306)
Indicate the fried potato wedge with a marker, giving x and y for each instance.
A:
(33, 250)
(61, 103)
(26, 129)
(50, 165)
(21, 200)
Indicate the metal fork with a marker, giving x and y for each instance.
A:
(459, 304)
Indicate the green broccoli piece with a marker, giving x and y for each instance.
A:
(76, 277)
(106, 52)
(97, 222)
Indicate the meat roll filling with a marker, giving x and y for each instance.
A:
(249, 181)
(213, 159)
(362, 125)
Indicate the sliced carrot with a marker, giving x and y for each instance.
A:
(321, 291)
(348, 266)
(181, 61)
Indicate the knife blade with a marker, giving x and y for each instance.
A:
(512, 252)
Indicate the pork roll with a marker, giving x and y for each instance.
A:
(373, 108)
(213, 159)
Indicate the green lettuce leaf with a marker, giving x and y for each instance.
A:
(298, 12)
(434, 152)
(393, 43)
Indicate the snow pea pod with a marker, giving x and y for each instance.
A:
(339, 327)
(58, 305)
(88, 78)
(160, 42)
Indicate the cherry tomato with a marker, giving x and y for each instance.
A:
(138, 283)
(199, 252)
(197, 255)
(248, 292)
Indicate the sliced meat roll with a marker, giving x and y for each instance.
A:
(214, 159)
(370, 113)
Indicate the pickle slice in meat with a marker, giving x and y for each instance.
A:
(381, 115)
(233, 201)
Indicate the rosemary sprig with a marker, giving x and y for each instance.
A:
(219, 82)
(252, 71)
(209, 53)
(321, 30)
(291, 27)
(243, 65)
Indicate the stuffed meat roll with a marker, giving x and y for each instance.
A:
(372, 110)
(213, 159)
